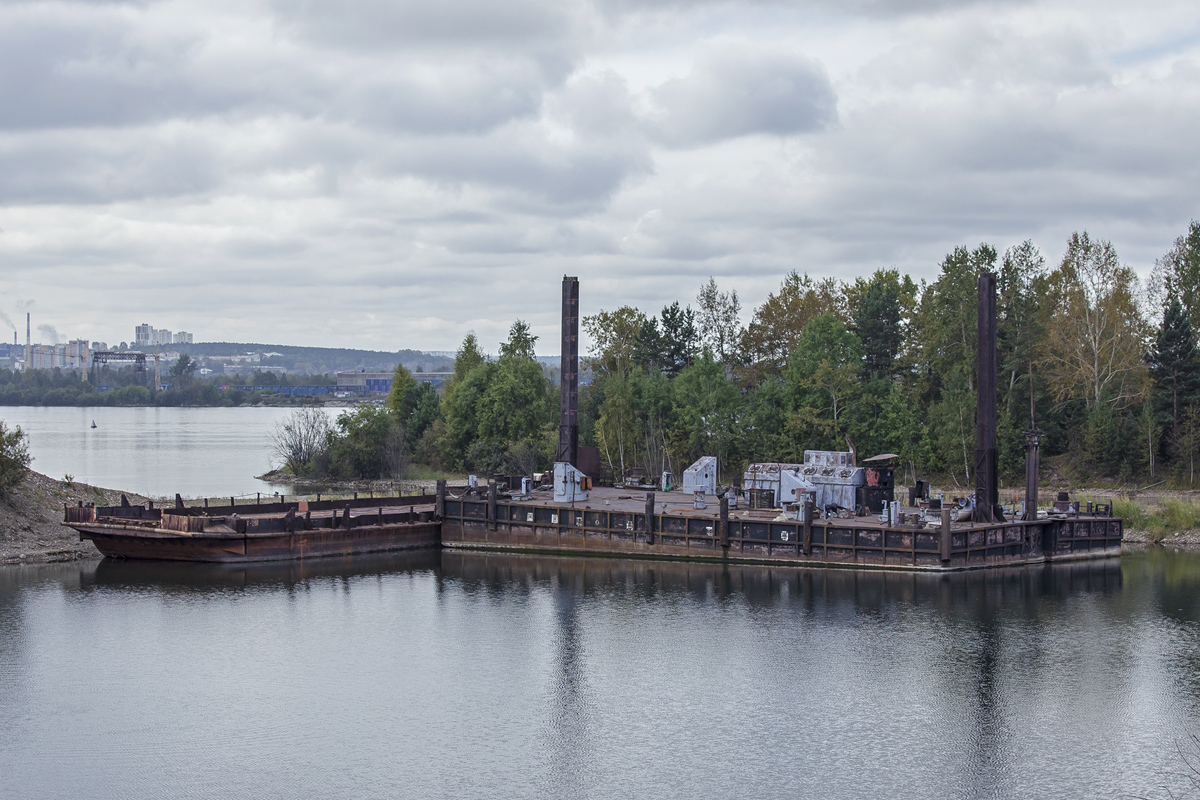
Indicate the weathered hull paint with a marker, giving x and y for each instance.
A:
(849, 543)
(117, 542)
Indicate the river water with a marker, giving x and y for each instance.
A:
(197, 452)
(450, 675)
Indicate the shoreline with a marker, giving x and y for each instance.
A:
(30, 532)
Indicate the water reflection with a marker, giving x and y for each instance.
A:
(172, 577)
(841, 594)
(448, 674)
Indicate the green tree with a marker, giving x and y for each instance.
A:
(774, 332)
(402, 396)
(517, 403)
(368, 443)
(707, 413)
(1173, 363)
(1180, 270)
(14, 458)
(719, 318)
(822, 381)
(1095, 333)
(615, 339)
(880, 318)
(183, 371)
(473, 374)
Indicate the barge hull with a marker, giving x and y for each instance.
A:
(242, 548)
(618, 528)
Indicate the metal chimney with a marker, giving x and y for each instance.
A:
(28, 343)
(987, 480)
(568, 426)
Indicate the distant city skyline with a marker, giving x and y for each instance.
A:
(394, 175)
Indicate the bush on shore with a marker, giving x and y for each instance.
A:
(14, 458)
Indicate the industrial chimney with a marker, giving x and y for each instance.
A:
(28, 343)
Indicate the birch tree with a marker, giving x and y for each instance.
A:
(1096, 337)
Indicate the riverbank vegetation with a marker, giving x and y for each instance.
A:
(1105, 367)
(14, 459)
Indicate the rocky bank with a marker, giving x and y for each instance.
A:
(29, 520)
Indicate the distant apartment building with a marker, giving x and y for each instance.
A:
(148, 336)
(73, 355)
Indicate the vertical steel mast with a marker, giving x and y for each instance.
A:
(568, 426)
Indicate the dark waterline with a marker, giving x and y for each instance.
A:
(443, 674)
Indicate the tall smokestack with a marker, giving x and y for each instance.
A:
(568, 425)
(28, 343)
(987, 479)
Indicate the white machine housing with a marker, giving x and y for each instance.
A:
(570, 485)
(701, 476)
(793, 485)
(833, 477)
(767, 476)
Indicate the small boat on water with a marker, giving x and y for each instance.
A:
(94, 424)
(256, 531)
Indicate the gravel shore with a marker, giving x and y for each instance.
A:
(29, 520)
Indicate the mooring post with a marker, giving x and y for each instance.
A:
(724, 522)
(441, 498)
(649, 517)
(1033, 439)
(492, 491)
(809, 509)
(945, 535)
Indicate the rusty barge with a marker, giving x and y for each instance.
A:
(611, 522)
(258, 531)
(832, 519)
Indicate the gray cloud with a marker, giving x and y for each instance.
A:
(740, 89)
(330, 163)
(388, 23)
(49, 333)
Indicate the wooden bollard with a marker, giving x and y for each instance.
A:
(945, 535)
(809, 510)
(649, 517)
(724, 532)
(491, 509)
(441, 498)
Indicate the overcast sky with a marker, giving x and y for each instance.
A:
(392, 173)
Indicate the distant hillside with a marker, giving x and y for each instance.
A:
(318, 360)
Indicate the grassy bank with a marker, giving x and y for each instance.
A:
(1165, 520)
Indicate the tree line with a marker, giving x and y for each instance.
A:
(1104, 366)
(129, 387)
